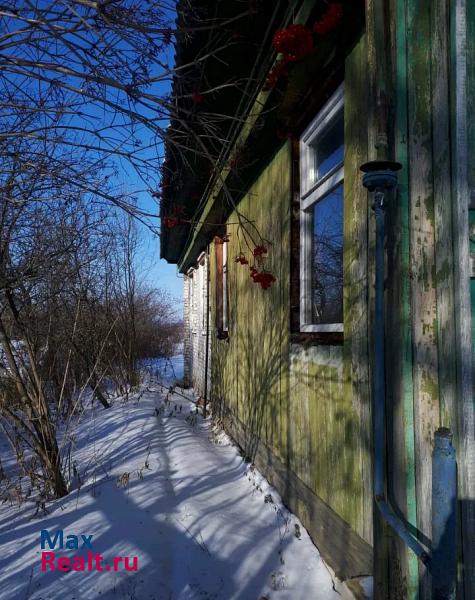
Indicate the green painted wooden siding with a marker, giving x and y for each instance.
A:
(357, 271)
(250, 371)
(310, 411)
(422, 377)
(311, 406)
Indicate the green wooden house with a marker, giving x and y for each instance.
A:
(263, 171)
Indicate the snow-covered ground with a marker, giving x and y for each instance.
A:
(158, 483)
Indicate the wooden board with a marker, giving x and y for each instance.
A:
(423, 265)
(344, 551)
(355, 272)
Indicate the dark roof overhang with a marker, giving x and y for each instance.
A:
(285, 109)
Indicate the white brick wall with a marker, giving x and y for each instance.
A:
(195, 305)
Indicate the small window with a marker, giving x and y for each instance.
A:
(321, 220)
(327, 149)
(225, 287)
(221, 299)
(202, 269)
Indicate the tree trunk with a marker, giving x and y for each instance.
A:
(98, 393)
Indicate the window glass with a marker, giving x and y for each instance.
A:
(321, 221)
(327, 148)
(327, 258)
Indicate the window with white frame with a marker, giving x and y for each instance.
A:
(321, 220)
(202, 269)
(221, 286)
(225, 286)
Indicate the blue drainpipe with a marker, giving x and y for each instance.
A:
(379, 177)
(444, 528)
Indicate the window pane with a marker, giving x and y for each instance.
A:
(328, 148)
(327, 259)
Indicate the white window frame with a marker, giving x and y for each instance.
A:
(193, 275)
(202, 269)
(313, 190)
(225, 286)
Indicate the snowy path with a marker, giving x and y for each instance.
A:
(160, 489)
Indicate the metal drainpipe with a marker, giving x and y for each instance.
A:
(444, 525)
(379, 177)
(205, 399)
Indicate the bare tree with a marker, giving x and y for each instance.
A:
(85, 92)
(61, 330)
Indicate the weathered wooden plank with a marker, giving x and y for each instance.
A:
(302, 398)
(423, 266)
(403, 570)
(283, 275)
(463, 143)
(317, 426)
(295, 409)
(346, 457)
(355, 274)
(442, 210)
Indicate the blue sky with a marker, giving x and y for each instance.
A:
(91, 121)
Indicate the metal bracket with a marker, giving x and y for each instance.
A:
(380, 174)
